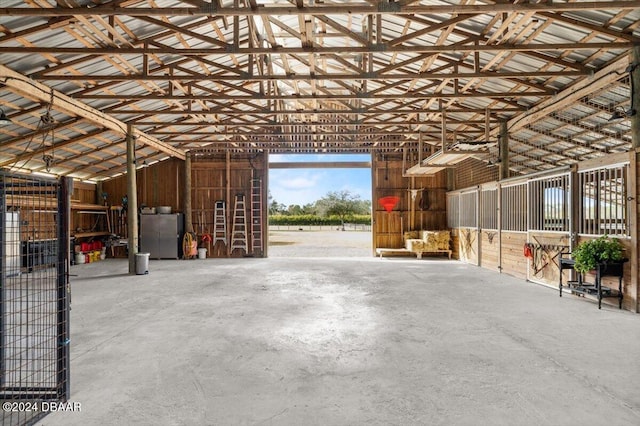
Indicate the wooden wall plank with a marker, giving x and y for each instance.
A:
(513, 261)
(489, 255)
(162, 184)
(426, 212)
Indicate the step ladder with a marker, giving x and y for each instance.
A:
(256, 217)
(220, 223)
(239, 228)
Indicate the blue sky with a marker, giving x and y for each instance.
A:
(304, 186)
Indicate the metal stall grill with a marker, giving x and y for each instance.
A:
(34, 308)
(489, 208)
(514, 207)
(549, 204)
(603, 194)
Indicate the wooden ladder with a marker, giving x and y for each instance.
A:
(239, 228)
(256, 217)
(220, 223)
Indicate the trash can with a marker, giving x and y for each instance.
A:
(142, 263)
(202, 253)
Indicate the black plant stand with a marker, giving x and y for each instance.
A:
(579, 287)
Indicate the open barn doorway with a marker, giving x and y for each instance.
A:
(319, 205)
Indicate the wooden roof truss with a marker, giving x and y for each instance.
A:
(311, 76)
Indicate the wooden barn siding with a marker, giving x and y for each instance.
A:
(472, 172)
(546, 270)
(388, 180)
(209, 184)
(467, 246)
(634, 220)
(513, 261)
(85, 193)
(455, 244)
(489, 250)
(160, 184)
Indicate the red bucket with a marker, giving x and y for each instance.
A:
(85, 247)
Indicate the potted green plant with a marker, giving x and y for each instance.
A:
(603, 249)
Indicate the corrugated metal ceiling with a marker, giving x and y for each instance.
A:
(351, 82)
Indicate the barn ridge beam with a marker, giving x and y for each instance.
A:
(308, 77)
(368, 48)
(211, 9)
(257, 96)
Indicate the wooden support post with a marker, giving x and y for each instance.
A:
(443, 136)
(499, 223)
(229, 203)
(99, 191)
(188, 220)
(635, 146)
(265, 202)
(635, 96)
(451, 180)
(504, 150)
(132, 197)
(375, 188)
(487, 123)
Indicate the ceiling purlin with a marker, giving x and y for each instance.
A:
(478, 83)
(81, 163)
(343, 30)
(176, 29)
(338, 76)
(326, 95)
(77, 156)
(580, 124)
(105, 171)
(429, 28)
(428, 64)
(508, 36)
(39, 93)
(153, 40)
(514, 139)
(225, 94)
(320, 72)
(125, 70)
(239, 120)
(450, 49)
(559, 17)
(345, 9)
(515, 28)
(41, 132)
(385, 131)
(62, 66)
(10, 35)
(473, 38)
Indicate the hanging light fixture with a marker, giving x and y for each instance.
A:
(4, 120)
(620, 113)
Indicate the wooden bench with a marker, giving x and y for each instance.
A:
(403, 251)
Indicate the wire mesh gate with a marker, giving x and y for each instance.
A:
(34, 304)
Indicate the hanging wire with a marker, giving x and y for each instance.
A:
(46, 123)
(49, 123)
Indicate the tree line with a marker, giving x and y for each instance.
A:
(335, 208)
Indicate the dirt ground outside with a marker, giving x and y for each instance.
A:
(319, 242)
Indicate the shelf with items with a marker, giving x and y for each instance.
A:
(90, 220)
(90, 231)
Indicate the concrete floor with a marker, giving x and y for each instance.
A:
(343, 341)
